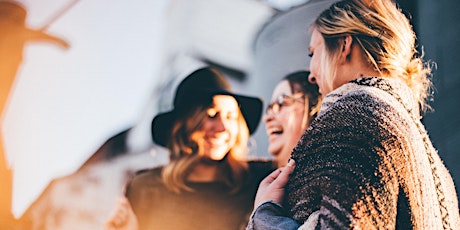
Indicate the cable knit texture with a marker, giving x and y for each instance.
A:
(367, 162)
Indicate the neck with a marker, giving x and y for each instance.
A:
(357, 70)
(283, 156)
(354, 68)
(205, 171)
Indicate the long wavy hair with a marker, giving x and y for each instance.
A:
(185, 152)
(385, 36)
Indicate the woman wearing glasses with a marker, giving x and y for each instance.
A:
(294, 103)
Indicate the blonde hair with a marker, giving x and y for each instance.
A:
(385, 36)
(185, 152)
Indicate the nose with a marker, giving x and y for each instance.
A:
(311, 79)
(268, 116)
(219, 124)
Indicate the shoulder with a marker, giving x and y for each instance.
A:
(358, 119)
(148, 173)
(358, 126)
(145, 178)
(375, 97)
(362, 97)
(364, 107)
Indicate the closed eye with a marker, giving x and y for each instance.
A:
(212, 113)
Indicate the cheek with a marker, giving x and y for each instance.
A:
(314, 67)
(294, 123)
(232, 129)
(198, 137)
(206, 125)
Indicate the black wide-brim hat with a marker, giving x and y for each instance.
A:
(198, 88)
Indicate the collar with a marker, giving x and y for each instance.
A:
(396, 88)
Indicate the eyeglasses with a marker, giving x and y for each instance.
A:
(284, 100)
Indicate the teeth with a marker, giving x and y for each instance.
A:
(216, 140)
(275, 131)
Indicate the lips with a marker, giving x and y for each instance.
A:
(216, 141)
(274, 131)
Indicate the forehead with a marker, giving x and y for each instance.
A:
(316, 38)
(224, 102)
(282, 88)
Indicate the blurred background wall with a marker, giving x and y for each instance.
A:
(438, 27)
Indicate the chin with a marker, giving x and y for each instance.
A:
(218, 156)
(274, 150)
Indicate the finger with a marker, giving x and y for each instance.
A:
(119, 214)
(290, 166)
(283, 176)
(271, 177)
(123, 201)
(111, 224)
(115, 220)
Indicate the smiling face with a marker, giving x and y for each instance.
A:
(220, 127)
(285, 126)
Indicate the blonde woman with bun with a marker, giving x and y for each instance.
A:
(367, 161)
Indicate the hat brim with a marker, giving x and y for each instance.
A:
(161, 127)
(251, 108)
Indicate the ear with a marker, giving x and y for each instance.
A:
(346, 48)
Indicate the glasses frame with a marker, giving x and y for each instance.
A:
(283, 101)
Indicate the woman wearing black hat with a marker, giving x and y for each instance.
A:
(208, 183)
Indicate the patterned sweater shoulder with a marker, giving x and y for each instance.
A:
(365, 162)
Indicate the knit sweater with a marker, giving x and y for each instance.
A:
(367, 162)
(210, 206)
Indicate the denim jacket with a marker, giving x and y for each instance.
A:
(270, 215)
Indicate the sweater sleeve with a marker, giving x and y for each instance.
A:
(344, 167)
